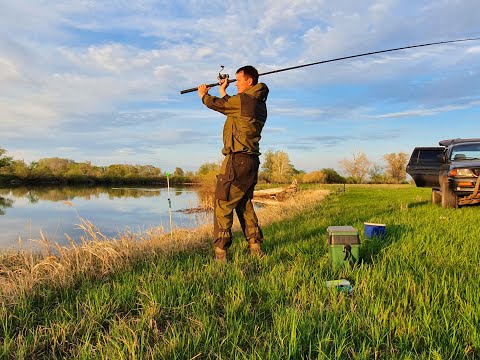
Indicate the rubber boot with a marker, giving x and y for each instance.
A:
(220, 255)
(255, 248)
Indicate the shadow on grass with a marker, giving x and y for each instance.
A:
(371, 247)
(418, 204)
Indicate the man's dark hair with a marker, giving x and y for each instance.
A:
(249, 72)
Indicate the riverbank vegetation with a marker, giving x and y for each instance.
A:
(415, 293)
(275, 168)
(64, 171)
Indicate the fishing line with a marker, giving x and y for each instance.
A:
(345, 58)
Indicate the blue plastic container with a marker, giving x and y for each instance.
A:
(375, 230)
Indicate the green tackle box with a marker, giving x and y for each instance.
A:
(343, 245)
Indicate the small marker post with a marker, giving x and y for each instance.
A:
(169, 202)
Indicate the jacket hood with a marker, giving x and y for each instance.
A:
(260, 91)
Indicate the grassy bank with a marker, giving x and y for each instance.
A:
(416, 294)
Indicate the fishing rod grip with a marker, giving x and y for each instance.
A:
(208, 86)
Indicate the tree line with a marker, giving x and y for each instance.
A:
(276, 167)
(358, 169)
(60, 170)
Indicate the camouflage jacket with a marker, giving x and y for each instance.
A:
(246, 115)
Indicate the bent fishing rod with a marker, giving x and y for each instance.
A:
(225, 76)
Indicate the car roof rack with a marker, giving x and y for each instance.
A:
(457, 141)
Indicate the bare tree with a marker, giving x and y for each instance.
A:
(395, 169)
(358, 167)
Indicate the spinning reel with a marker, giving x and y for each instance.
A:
(222, 76)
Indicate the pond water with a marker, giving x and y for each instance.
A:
(56, 211)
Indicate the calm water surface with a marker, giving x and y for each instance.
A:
(55, 211)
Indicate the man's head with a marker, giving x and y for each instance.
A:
(247, 77)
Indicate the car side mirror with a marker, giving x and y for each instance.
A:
(442, 158)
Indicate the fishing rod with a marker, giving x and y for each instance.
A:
(225, 76)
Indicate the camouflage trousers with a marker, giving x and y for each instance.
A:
(234, 191)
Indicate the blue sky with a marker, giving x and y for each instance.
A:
(101, 80)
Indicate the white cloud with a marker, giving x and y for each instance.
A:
(430, 111)
(204, 51)
(8, 71)
(27, 117)
(473, 50)
(111, 58)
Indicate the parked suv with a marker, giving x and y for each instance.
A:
(451, 170)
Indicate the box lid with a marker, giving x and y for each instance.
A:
(342, 230)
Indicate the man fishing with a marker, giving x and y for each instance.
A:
(246, 115)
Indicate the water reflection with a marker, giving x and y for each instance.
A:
(56, 210)
(4, 203)
(70, 192)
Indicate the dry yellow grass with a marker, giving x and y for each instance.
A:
(97, 255)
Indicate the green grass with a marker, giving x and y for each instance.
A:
(417, 294)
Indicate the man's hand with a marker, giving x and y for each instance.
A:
(202, 90)
(223, 86)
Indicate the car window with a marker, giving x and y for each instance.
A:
(465, 152)
(429, 155)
